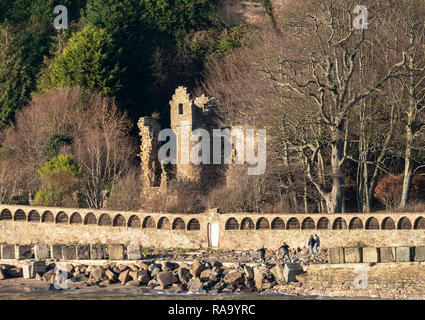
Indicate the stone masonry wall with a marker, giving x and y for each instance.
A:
(383, 280)
(349, 235)
(146, 229)
(240, 231)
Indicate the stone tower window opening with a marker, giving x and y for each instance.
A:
(180, 108)
(164, 223)
(263, 224)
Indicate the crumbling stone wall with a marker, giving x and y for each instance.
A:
(152, 170)
(189, 115)
(186, 115)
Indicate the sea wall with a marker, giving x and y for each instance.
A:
(335, 230)
(382, 280)
(242, 231)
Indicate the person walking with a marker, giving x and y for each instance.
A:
(285, 248)
(262, 254)
(316, 243)
(311, 244)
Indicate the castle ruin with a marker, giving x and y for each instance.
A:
(186, 115)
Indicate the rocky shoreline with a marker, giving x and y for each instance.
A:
(215, 274)
(204, 272)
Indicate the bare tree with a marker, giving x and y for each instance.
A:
(103, 147)
(409, 32)
(319, 61)
(69, 120)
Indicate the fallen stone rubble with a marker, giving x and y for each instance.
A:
(197, 272)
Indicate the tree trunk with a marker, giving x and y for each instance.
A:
(408, 170)
(334, 200)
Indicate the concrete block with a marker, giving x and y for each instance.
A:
(38, 267)
(387, 254)
(27, 271)
(8, 251)
(83, 252)
(134, 252)
(336, 255)
(56, 251)
(420, 254)
(291, 270)
(371, 254)
(69, 252)
(404, 254)
(116, 251)
(23, 252)
(277, 272)
(353, 255)
(30, 270)
(41, 251)
(97, 252)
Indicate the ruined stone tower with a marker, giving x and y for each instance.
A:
(153, 174)
(188, 115)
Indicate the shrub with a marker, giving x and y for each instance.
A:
(60, 178)
(180, 197)
(125, 192)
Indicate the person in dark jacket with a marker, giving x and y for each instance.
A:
(285, 248)
(311, 244)
(262, 254)
(316, 244)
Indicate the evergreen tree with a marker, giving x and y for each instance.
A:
(15, 84)
(60, 177)
(86, 61)
(132, 49)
